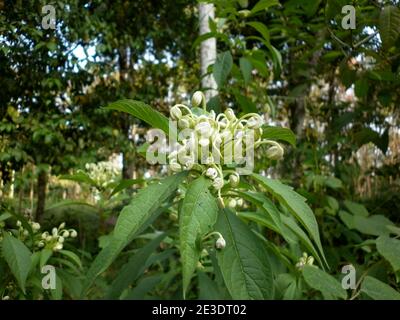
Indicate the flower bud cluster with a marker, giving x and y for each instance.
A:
(102, 173)
(305, 260)
(55, 240)
(225, 134)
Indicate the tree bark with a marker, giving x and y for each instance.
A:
(208, 50)
(41, 195)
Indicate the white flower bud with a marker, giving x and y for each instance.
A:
(44, 235)
(197, 98)
(175, 166)
(255, 122)
(240, 202)
(232, 203)
(310, 260)
(19, 223)
(212, 173)
(35, 226)
(61, 239)
(58, 247)
(26, 233)
(73, 234)
(223, 123)
(230, 114)
(204, 129)
(65, 234)
(234, 179)
(183, 123)
(49, 238)
(54, 231)
(41, 244)
(275, 152)
(62, 226)
(204, 142)
(218, 183)
(175, 113)
(220, 243)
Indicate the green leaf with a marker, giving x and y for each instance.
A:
(72, 256)
(131, 219)
(246, 104)
(323, 282)
(45, 255)
(208, 288)
(18, 258)
(222, 67)
(356, 208)
(125, 184)
(389, 248)
(361, 88)
(246, 68)
(304, 239)
(197, 216)
(375, 225)
(57, 293)
(389, 25)
(263, 5)
(261, 28)
(296, 204)
(280, 134)
(378, 290)
(143, 287)
(133, 268)
(244, 262)
(143, 112)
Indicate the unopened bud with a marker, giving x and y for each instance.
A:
(211, 173)
(275, 152)
(197, 98)
(234, 179)
(220, 243)
(175, 113)
(230, 114)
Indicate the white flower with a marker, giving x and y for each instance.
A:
(220, 243)
(239, 202)
(211, 173)
(175, 113)
(41, 244)
(197, 98)
(204, 129)
(204, 142)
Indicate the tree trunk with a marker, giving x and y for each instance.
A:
(208, 50)
(41, 195)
